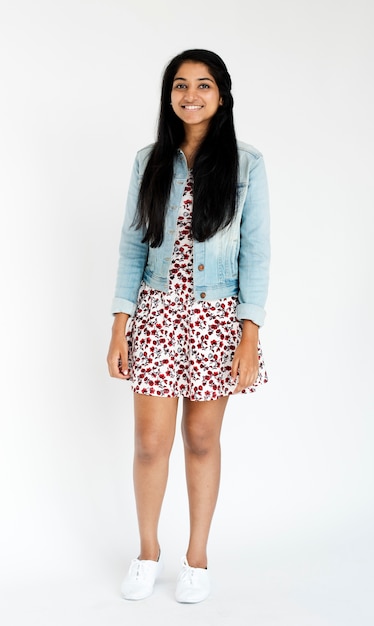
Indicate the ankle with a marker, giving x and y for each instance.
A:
(149, 554)
(195, 560)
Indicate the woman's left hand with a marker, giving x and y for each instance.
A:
(245, 361)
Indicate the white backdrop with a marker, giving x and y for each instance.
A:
(80, 88)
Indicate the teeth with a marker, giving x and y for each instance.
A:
(192, 107)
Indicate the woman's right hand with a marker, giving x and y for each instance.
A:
(117, 358)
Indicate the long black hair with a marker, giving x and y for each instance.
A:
(215, 166)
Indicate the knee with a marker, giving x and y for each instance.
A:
(149, 448)
(198, 441)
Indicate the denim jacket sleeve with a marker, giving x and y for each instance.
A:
(254, 250)
(132, 252)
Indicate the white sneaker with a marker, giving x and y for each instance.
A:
(193, 584)
(140, 579)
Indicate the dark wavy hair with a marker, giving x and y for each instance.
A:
(215, 166)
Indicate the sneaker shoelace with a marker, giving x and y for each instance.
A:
(187, 574)
(139, 569)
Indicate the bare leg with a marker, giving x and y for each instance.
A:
(155, 420)
(201, 429)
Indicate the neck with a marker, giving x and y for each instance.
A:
(193, 135)
(192, 140)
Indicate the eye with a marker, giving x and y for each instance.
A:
(204, 86)
(180, 86)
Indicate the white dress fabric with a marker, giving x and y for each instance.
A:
(179, 346)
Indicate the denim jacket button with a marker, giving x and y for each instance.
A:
(203, 294)
(200, 267)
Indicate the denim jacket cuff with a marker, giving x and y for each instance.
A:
(251, 312)
(119, 305)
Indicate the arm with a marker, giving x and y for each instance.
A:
(245, 361)
(132, 253)
(254, 253)
(254, 258)
(132, 260)
(117, 358)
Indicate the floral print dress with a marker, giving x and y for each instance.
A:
(179, 346)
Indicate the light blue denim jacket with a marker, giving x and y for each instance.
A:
(234, 262)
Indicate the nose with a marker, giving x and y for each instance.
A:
(189, 95)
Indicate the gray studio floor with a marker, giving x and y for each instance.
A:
(305, 586)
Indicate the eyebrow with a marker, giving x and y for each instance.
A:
(181, 78)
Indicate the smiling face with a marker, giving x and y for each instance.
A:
(195, 96)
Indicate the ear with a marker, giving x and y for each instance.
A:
(220, 101)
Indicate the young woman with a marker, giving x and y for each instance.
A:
(190, 295)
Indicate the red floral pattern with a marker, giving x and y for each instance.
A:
(179, 346)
